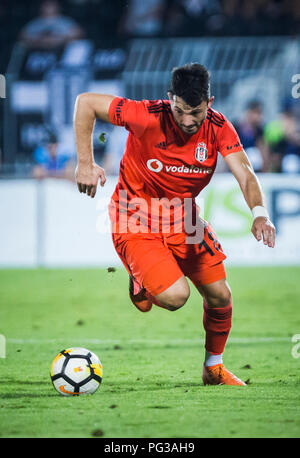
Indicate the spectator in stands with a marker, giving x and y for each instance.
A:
(251, 133)
(51, 29)
(50, 162)
(282, 136)
(143, 18)
(193, 17)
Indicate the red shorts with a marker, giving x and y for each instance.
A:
(156, 261)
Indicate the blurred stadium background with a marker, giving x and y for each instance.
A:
(52, 51)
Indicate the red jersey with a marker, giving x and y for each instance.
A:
(160, 160)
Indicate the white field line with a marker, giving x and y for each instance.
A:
(233, 340)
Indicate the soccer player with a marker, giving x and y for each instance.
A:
(170, 156)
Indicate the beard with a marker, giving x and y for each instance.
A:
(193, 129)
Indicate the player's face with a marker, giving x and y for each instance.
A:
(189, 119)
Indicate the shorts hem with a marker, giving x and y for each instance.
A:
(210, 274)
(167, 283)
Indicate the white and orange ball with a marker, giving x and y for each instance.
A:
(76, 371)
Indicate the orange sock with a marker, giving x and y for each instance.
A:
(217, 323)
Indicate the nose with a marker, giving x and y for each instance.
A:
(187, 121)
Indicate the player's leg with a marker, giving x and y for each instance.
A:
(204, 266)
(217, 318)
(155, 276)
(217, 322)
(175, 296)
(140, 298)
(172, 298)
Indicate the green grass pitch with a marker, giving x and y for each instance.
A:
(152, 362)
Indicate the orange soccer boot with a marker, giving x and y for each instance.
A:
(219, 375)
(140, 299)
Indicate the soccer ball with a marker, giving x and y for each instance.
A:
(76, 371)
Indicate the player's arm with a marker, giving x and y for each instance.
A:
(241, 168)
(88, 108)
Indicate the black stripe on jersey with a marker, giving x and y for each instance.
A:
(155, 107)
(218, 117)
(215, 113)
(119, 109)
(210, 131)
(155, 110)
(210, 121)
(214, 121)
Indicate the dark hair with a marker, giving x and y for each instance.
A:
(191, 82)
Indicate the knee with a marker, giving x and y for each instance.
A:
(174, 297)
(220, 299)
(175, 300)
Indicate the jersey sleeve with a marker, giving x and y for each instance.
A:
(228, 140)
(131, 114)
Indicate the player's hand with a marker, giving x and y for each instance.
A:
(263, 228)
(87, 178)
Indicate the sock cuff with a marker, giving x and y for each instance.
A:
(220, 313)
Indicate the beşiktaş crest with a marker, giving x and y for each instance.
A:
(201, 152)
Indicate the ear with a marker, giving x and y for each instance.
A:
(170, 95)
(210, 101)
